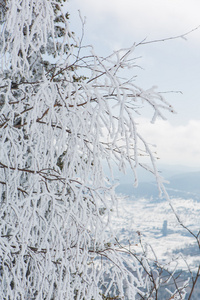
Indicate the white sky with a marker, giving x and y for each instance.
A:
(172, 65)
(175, 145)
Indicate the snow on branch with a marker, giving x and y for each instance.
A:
(63, 116)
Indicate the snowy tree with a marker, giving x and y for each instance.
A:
(65, 113)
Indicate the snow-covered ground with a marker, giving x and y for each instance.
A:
(150, 218)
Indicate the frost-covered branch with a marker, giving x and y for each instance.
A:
(63, 117)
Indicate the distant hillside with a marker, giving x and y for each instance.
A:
(185, 185)
(189, 182)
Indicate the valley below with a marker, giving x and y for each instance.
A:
(142, 215)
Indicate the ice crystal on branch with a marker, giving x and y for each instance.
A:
(63, 115)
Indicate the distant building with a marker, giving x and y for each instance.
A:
(164, 228)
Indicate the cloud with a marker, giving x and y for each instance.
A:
(138, 19)
(174, 144)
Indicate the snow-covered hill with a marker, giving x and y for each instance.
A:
(183, 185)
(158, 226)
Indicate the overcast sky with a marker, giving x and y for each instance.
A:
(172, 66)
